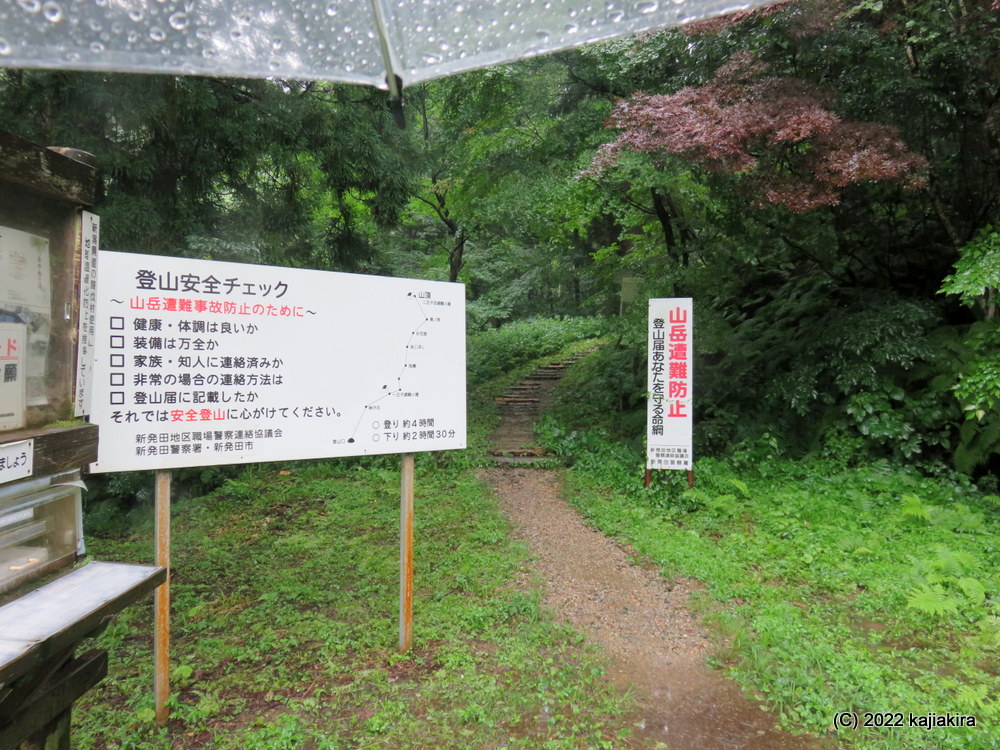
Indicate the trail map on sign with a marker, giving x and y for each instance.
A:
(200, 363)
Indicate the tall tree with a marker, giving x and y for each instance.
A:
(276, 170)
(848, 152)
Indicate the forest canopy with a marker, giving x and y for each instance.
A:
(823, 178)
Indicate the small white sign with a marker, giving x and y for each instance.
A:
(90, 239)
(199, 363)
(16, 460)
(669, 406)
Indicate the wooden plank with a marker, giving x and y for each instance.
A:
(12, 650)
(55, 698)
(57, 615)
(44, 171)
(58, 449)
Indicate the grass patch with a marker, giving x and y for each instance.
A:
(285, 616)
(832, 589)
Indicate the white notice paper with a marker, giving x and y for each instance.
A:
(90, 238)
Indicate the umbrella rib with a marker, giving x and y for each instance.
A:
(391, 78)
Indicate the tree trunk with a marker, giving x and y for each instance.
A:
(455, 257)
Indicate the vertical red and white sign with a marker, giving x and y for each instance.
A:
(670, 384)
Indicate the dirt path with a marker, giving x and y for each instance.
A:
(655, 644)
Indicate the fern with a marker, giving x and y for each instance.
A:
(724, 504)
(932, 600)
(954, 562)
(972, 696)
(960, 519)
(973, 589)
(744, 489)
(989, 633)
(912, 507)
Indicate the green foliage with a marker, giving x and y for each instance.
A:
(284, 626)
(496, 351)
(832, 585)
(976, 279)
(273, 171)
(821, 330)
(913, 508)
(118, 503)
(944, 584)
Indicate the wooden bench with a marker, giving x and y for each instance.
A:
(39, 679)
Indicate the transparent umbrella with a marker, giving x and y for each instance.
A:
(383, 43)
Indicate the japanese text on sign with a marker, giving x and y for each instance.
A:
(669, 405)
(200, 363)
(90, 241)
(16, 460)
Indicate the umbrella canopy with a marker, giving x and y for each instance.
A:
(353, 41)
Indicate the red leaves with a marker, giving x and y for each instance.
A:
(776, 132)
(859, 151)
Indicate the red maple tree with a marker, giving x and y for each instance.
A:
(778, 133)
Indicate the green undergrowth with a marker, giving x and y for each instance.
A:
(497, 351)
(868, 589)
(285, 624)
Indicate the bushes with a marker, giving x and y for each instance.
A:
(870, 586)
(496, 351)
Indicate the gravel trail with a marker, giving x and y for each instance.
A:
(655, 644)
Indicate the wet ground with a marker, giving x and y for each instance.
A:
(655, 644)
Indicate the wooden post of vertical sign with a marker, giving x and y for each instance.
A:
(406, 554)
(161, 628)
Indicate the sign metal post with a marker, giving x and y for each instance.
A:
(161, 603)
(406, 553)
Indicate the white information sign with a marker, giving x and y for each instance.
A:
(16, 460)
(90, 239)
(670, 378)
(202, 362)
